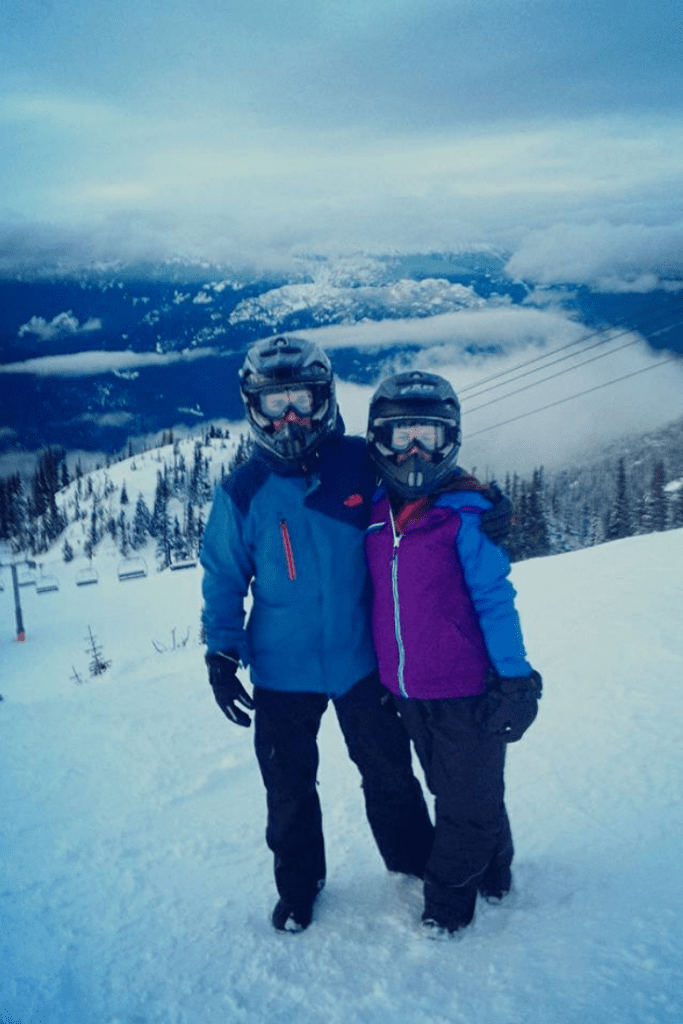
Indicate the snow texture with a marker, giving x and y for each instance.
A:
(136, 884)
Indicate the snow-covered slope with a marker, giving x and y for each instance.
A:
(136, 885)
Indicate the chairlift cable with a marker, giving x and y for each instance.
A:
(589, 348)
(635, 324)
(553, 376)
(569, 398)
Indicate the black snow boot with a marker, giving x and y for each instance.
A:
(448, 909)
(287, 918)
(496, 882)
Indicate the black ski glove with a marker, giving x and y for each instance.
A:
(508, 705)
(497, 521)
(227, 689)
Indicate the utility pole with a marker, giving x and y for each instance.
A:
(21, 635)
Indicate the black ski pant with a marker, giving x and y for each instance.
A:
(464, 768)
(286, 730)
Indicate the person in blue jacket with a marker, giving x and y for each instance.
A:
(288, 528)
(448, 639)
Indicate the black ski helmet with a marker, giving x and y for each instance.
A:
(288, 361)
(400, 401)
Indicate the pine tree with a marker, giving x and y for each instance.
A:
(179, 547)
(244, 449)
(677, 509)
(191, 529)
(200, 530)
(5, 509)
(124, 534)
(164, 540)
(161, 496)
(199, 489)
(46, 483)
(141, 524)
(659, 500)
(514, 541)
(97, 663)
(93, 535)
(620, 516)
(517, 543)
(537, 544)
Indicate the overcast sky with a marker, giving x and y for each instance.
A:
(258, 127)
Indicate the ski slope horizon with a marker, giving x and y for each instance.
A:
(137, 886)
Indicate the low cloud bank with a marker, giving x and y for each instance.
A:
(549, 395)
(90, 364)
(606, 257)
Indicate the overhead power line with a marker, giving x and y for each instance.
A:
(560, 373)
(635, 324)
(569, 398)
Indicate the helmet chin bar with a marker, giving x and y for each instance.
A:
(292, 440)
(419, 474)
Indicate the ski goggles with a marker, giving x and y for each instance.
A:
(429, 436)
(274, 404)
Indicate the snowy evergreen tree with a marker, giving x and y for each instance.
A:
(536, 528)
(141, 524)
(620, 516)
(200, 491)
(191, 530)
(654, 505)
(159, 512)
(179, 545)
(124, 534)
(244, 449)
(677, 509)
(164, 538)
(659, 498)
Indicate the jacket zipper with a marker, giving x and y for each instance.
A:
(397, 610)
(287, 545)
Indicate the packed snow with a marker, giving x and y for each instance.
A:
(137, 886)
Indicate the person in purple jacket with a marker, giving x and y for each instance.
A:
(448, 640)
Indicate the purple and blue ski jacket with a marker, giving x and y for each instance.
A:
(443, 608)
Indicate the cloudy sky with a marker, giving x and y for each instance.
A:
(259, 127)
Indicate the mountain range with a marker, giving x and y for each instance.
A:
(90, 360)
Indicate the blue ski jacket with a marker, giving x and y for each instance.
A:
(292, 537)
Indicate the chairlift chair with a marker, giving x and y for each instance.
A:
(132, 569)
(26, 577)
(86, 576)
(45, 584)
(184, 563)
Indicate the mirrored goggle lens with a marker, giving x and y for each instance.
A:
(429, 436)
(275, 403)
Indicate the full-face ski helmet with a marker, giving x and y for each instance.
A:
(287, 386)
(414, 432)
